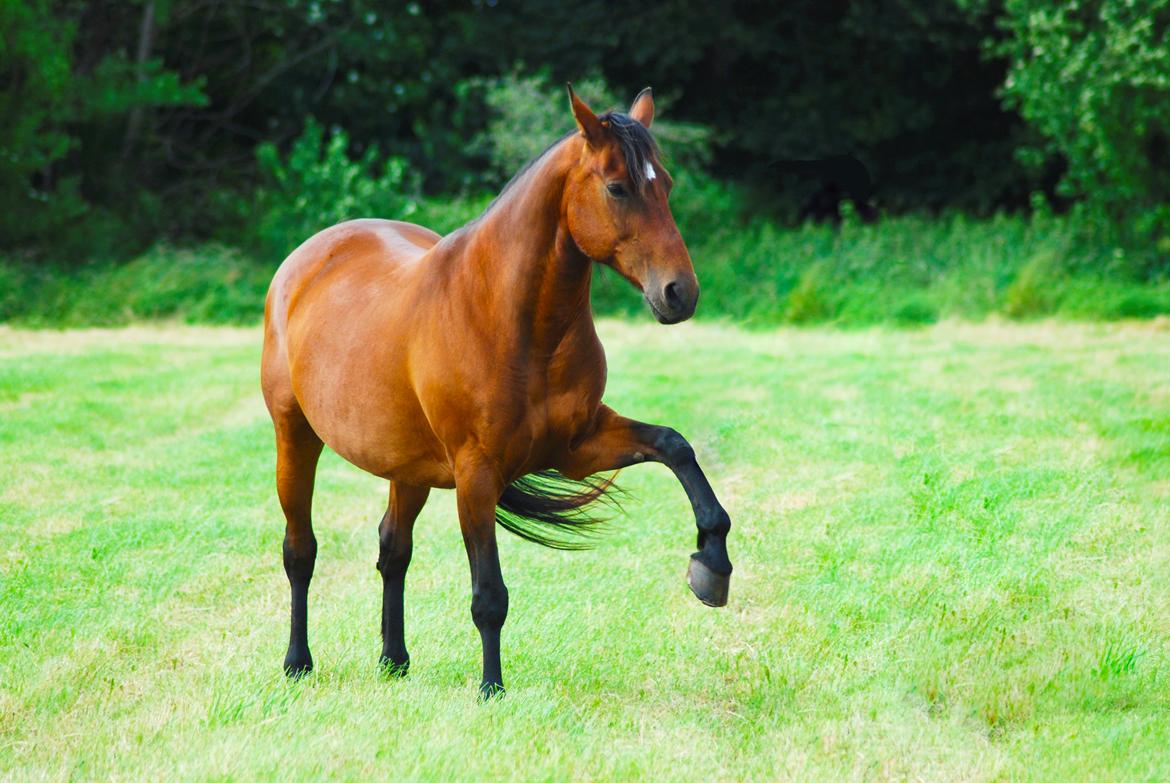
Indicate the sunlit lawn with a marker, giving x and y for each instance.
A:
(952, 553)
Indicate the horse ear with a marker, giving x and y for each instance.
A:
(642, 109)
(586, 120)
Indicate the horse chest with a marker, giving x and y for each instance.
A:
(559, 413)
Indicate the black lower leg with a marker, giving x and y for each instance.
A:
(489, 609)
(710, 569)
(298, 566)
(710, 517)
(393, 560)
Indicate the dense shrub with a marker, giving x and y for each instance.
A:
(53, 91)
(318, 184)
(904, 271)
(1093, 79)
(212, 284)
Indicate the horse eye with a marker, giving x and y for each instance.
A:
(617, 190)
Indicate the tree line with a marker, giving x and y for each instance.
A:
(132, 120)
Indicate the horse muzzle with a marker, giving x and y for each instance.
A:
(674, 301)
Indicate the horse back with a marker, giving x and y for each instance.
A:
(392, 242)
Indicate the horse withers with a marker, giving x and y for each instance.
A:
(471, 362)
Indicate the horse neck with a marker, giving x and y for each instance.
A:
(535, 278)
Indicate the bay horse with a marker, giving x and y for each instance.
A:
(471, 362)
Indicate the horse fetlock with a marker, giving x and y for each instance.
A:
(716, 522)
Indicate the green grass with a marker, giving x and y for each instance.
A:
(952, 556)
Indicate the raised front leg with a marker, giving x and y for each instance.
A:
(618, 442)
(477, 490)
(395, 539)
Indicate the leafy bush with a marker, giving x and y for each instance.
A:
(210, 285)
(317, 185)
(1035, 289)
(810, 300)
(915, 310)
(46, 100)
(1093, 78)
(907, 270)
(15, 290)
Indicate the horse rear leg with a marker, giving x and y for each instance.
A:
(395, 537)
(297, 451)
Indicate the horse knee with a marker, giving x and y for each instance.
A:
(299, 558)
(489, 605)
(674, 448)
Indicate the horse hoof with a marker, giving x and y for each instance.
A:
(491, 690)
(708, 586)
(297, 666)
(393, 668)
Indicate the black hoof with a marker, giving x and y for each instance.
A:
(392, 668)
(491, 690)
(297, 666)
(707, 585)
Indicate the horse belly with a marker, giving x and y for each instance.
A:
(347, 362)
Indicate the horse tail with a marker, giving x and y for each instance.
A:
(540, 505)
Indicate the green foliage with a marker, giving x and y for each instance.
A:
(1093, 78)
(317, 185)
(124, 125)
(211, 285)
(62, 117)
(904, 86)
(16, 291)
(1034, 291)
(916, 309)
(35, 98)
(811, 299)
(904, 271)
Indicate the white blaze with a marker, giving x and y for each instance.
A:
(650, 175)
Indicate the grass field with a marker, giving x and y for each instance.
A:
(952, 551)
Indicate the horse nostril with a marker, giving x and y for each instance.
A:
(670, 293)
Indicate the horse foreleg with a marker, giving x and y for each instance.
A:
(477, 490)
(617, 442)
(395, 537)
